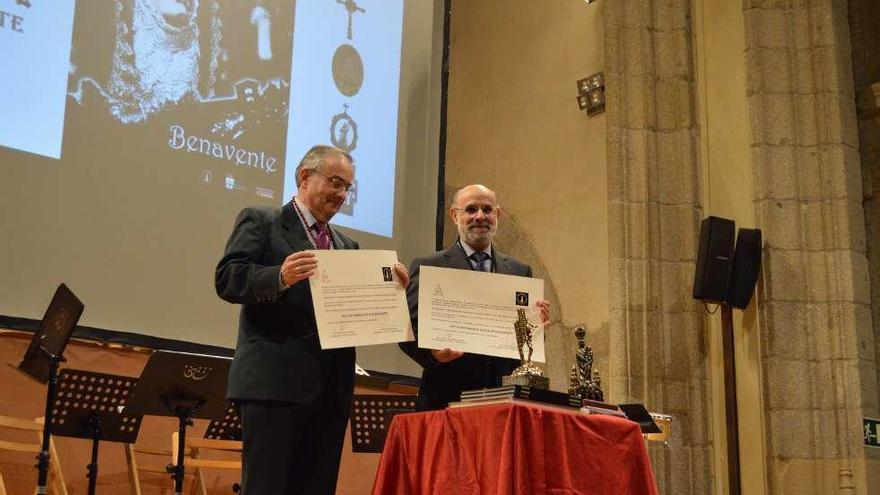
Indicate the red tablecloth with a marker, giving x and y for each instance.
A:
(513, 448)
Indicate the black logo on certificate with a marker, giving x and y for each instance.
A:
(386, 274)
(522, 298)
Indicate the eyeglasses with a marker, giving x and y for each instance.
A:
(488, 210)
(336, 182)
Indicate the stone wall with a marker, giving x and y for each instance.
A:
(657, 347)
(864, 17)
(818, 355)
(514, 125)
(635, 180)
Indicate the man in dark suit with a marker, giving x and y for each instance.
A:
(447, 372)
(294, 397)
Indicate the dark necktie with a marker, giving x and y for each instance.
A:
(322, 235)
(480, 258)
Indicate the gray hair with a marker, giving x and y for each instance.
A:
(317, 156)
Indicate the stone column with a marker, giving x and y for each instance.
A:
(869, 138)
(657, 349)
(864, 17)
(817, 349)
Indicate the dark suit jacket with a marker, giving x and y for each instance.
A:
(443, 382)
(278, 356)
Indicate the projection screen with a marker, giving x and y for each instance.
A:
(132, 132)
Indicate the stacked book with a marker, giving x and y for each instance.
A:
(522, 393)
(596, 407)
(516, 393)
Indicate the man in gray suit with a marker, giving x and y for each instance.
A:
(295, 397)
(447, 372)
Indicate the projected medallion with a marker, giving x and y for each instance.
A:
(344, 131)
(348, 70)
(344, 135)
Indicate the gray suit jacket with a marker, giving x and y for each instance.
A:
(278, 356)
(443, 382)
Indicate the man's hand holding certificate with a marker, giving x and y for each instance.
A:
(474, 311)
(358, 300)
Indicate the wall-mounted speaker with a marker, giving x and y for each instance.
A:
(746, 266)
(714, 259)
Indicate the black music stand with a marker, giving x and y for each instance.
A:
(370, 417)
(183, 385)
(227, 427)
(89, 405)
(638, 414)
(41, 360)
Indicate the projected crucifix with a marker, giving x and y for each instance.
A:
(352, 7)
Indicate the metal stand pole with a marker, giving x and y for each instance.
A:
(43, 456)
(731, 415)
(94, 426)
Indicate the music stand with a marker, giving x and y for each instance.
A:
(89, 405)
(183, 385)
(641, 416)
(227, 427)
(370, 417)
(41, 360)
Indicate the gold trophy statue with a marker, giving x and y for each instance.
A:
(527, 374)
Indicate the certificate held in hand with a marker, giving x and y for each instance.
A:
(358, 300)
(475, 312)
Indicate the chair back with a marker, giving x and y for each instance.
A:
(55, 485)
(197, 455)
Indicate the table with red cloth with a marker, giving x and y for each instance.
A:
(513, 447)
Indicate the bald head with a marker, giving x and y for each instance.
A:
(473, 188)
(475, 213)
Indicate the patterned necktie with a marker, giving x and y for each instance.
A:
(480, 258)
(322, 235)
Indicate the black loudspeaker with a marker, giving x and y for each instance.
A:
(714, 259)
(746, 265)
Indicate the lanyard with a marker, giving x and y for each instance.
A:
(308, 230)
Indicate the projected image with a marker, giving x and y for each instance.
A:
(32, 95)
(208, 97)
(132, 132)
(344, 90)
(212, 75)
